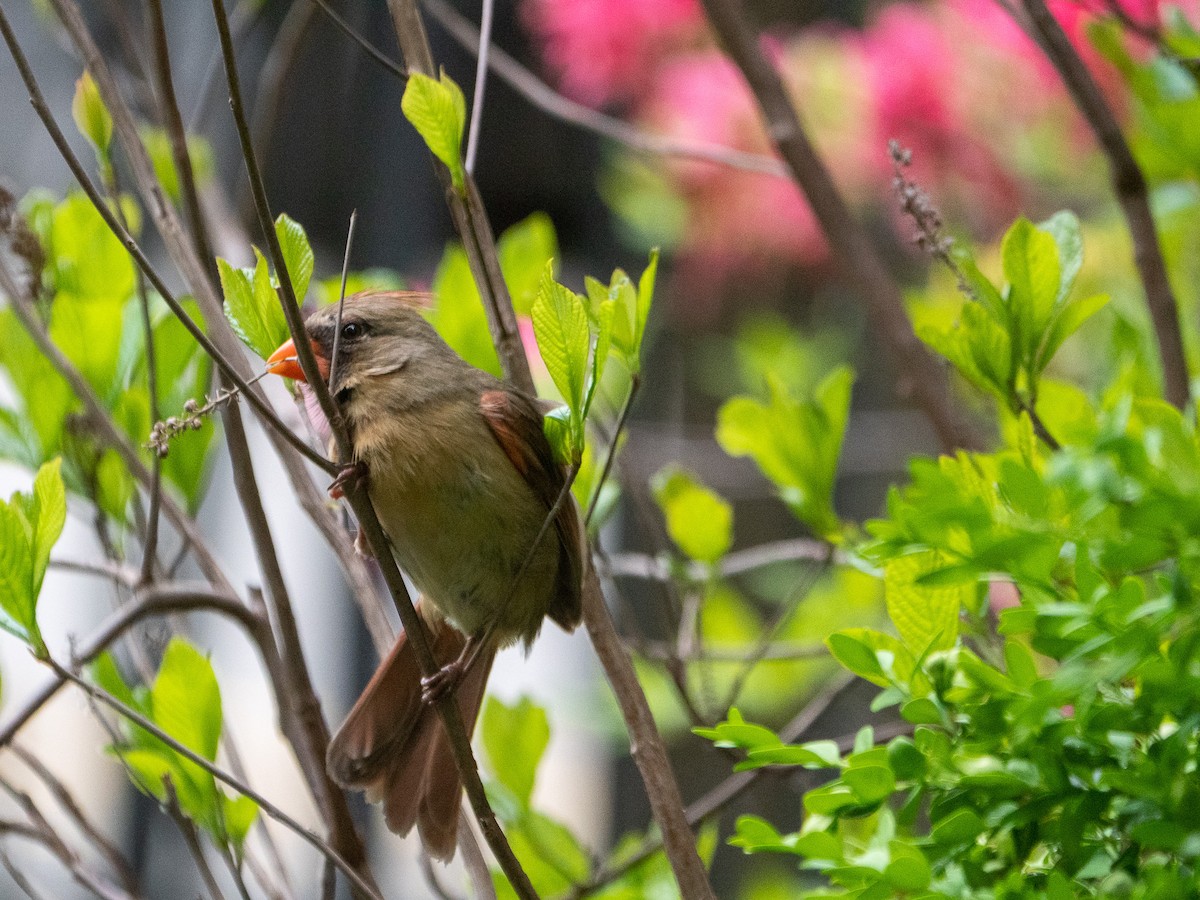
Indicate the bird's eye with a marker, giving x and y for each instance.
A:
(352, 330)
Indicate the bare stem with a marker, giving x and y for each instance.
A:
(918, 373)
(1129, 184)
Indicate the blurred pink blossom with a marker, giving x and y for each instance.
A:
(603, 50)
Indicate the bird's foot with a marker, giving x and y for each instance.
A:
(440, 682)
(351, 476)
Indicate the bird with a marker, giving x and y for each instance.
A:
(462, 477)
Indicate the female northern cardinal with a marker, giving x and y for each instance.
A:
(462, 477)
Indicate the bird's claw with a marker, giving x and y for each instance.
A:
(351, 476)
(434, 687)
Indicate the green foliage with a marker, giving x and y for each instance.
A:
(438, 111)
(330, 289)
(29, 526)
(630, 309)
(253, 302)
(92, 117)
(699, 521)
(185, 702)
(795, 442)
(1002, 341)
(92, 310)
(158, 146)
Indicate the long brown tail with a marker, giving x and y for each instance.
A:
(395, 747)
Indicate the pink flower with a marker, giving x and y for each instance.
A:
(603, 50)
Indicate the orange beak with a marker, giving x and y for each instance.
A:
(284, 362)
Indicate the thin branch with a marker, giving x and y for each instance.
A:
(359, 500)
(99, 418)
(554, 104)
(481, 72)
(221, 775)
(469, 217)
(610, 456)
(190, 839)
(370, 49)
(1129, 184)
(648, 750)
(116, 105)
(654, 568)
(337, 330)
(918, 373)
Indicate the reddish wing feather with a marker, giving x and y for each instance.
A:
(517, 425)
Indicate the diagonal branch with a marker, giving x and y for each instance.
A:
(1129, 184)
(918, 374)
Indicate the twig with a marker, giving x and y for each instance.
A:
(123, 121)
(473, 861)
(23, 884)
(919, 375)
(337, 329)
(469, 217)
(188, 830)
(60, 793)
(648, 750)
(481, 71)
(221, 775)
(357, 497)
(635, 382)
(554, 104)
(1129, 184)
(653, 568)
(370, 49)
(98, 417)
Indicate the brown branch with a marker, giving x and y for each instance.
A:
(230, 357)
(1129, 184)
(648, 750)
(918, 373)
(359, 500)
(221, 775)
(469, 217)
(554, 104)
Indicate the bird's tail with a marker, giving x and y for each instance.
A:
(394, 746)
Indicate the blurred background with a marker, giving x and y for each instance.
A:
(748, 291)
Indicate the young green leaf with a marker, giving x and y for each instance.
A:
(297, 254)
(524, 250)
(458, 315)
(186, 700)
(699, 521)
(560, 323)
(438, 111)
(17, 599)
(252, 306)
(515, 738)
(925, 615)
(92, 117)
(50, 502)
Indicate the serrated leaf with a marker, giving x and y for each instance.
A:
(252, 307)
(50, 498)
(438, 111)
(297, 254)
(16, 573)
(699, 521)
(560, 324)
(515, 738)
(926, 616)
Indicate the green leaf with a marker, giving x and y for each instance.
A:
(438, 111)
(524, 250)
(856, 656)
(186, 700)
(86, 259)
(252, 306)
(158, 146)
(796, 444)
(91, 115)
(926, 616)
(699, 521)
(17, 599)
(560, 324)
(50, 501)
(238, 814)
(871, 783)
(515, 738)
(297, 254)
(1032, 268)
(458, 316)
(1069, 320)
(1063, 226)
